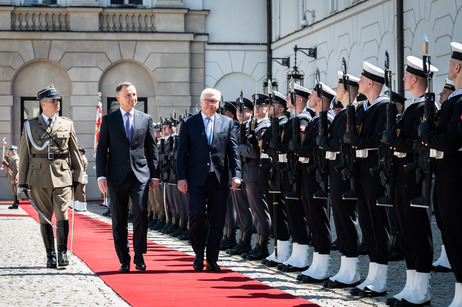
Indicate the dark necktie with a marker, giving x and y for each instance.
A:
(49, 125)
(129, 127)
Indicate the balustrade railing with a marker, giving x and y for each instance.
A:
(28, 19)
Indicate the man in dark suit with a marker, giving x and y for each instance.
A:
(207, 147)
(126, 166)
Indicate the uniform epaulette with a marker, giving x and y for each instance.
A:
(65, 118)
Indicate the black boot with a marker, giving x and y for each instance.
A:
(243, 246)
(47, 235)
(62, 232)
(183, 226)
(151, 220)
(160, 223)
(15, 203)
(261, 249)
(173, 227)
(229, 239)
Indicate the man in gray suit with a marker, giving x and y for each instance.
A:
(126, 166)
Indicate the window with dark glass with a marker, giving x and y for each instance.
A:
(30, 108)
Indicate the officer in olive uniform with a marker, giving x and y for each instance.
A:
(80, 198)
(155, 200)
(255, 190)
(11, 163)
(49, 154)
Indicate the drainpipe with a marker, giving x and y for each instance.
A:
(400, 45)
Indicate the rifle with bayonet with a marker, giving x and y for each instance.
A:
(275, 170)
(348, 166)
(386, 167)
(242, 127)
(292, 168)
(423, 164)
(321, 164)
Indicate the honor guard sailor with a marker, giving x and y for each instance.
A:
(49, 154)
(344, 210)
(446, 137)
(413, 222)
(373, 219)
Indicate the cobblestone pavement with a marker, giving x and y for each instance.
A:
(26, 281)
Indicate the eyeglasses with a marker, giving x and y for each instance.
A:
(210, 100)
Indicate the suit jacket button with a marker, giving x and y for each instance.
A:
(208, 164)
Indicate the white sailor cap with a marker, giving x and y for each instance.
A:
(373, 72)
(279, 98)
(456, 51)
(302, 91)
(326, 91)
(449, 85)
(352, 80)
(415, 67)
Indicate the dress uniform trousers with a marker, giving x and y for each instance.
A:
(280, 220)
(295, 213)
(343, 211)
(373, 219)
(257, 200)
(448, 175)
(414, 223)
(316, 212)
(241, 204)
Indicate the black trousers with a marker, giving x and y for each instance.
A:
(414, 223)
(316, 213)
(295, 213)
(373, 219)
(449, 201)
(207, 211)
(344, 212)
(119, 195)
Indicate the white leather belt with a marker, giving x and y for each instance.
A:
(363, 153)
(331, 155)
(303, 160)
(436, 154)
(264, 155)
(400, 154)
(282, 158)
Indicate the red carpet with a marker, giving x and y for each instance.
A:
(169, 279)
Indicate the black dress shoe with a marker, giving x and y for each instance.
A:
(272, 263)
(13, 206)
(213, 267)
(356, 291)
(198, 263)
(441, 269)
(311, 280)
(124, 268)
(291, 268)
(391, 301)
(139, 261)
(403, 302)
(371, 293)
(334, 284)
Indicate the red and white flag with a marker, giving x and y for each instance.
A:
(99, 119)
(3, 153)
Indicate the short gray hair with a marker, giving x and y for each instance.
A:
(212, 91)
